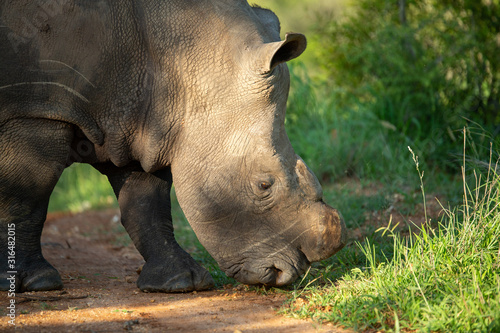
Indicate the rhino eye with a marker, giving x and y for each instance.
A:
(265, 185)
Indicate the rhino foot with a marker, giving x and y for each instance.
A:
(174, 275)
(41, 277)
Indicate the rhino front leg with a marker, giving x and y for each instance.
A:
(33, 154)
(145, 207)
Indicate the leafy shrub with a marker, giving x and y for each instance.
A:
(426, 68)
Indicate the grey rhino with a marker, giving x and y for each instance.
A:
(150, 93)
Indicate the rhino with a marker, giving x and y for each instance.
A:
(153, 93)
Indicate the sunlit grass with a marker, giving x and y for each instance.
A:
(444, 279)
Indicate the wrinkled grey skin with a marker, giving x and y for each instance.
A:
(153, 93)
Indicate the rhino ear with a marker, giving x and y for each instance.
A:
(276, 53)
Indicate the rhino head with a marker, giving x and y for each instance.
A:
(253, 203)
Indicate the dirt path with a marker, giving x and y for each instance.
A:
(100, 293)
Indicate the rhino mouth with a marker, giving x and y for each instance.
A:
(277, 274)
(278, 277)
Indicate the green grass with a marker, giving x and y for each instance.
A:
(444, 279)
(81, 188)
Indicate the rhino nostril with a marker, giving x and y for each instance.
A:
(278, 273)
(284, 277)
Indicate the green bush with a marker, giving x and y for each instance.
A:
(339, 142)
(424, 68)
(81, 188)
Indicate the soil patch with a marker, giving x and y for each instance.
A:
(100, 295)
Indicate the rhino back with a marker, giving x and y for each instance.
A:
(94, 64)
(47, 63)
(82, 62)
